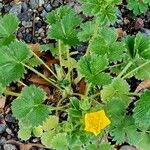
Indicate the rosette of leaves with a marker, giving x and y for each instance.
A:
(12, 60)
(104, 10)
(9, 24)
(93, 67)
(64, 22)
(106, 44)
(138, 7)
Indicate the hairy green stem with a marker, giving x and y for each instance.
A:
(60, 55)
(134, 70)
(87, 89)
(124, 70)
(95, 95)
(69, 69)
(51, 71)
(134, 94)
(41, 75)
(6, 92)
(58, 105)
(94, 35)
(22, 83)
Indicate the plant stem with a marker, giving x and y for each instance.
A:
(134, 94)
(77, 94)
(69, 69)
(136, 69)
(95, 95)
(22, 83)
(58, 104)
(60, 55)
(94, 35)
(41, 75)
(124, 70)
(87, 89)
(6, 92)
(45, 64)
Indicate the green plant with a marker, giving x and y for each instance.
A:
(138, 6)
(106, 68)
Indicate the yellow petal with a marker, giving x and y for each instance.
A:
(96, 121)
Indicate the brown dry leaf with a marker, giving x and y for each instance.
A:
(37, 80)
(120, 33)
(52, 62)
(24, 146)
(2, 102)
(143, 85)
(36, 49)
(82, 86)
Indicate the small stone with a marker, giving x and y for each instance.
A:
(41, 2)
(127, 147)
(139, 24)
(24, 6)
(16, 9)
(9, 137)
(27, 24)
(148, 16)
(39, 24)
(1, 6)
(2, 140)
(37, 19)
(9, 147)
(27, 37)
(24, 16)
(7, 8)
(146, 31)
(41, 30)
(9, 131)
(10, 118)
(35, 140)
(48, 7)
(44, 13)
(34, 4)
(2, 128)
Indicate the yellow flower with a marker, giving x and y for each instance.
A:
(96, 121)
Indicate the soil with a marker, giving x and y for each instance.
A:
(33, 29)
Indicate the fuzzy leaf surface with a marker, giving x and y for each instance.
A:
(65, 29)
(29, 108)
(115, 109)
(24, 133)
(106, 44)
(11, 58)
(50, 123)
(57, 14)
(142, 111)
(92, 66)
(47, 138)
(59, 141)
(119, 88)
(87, 30)
(138, 7)
(8, 25)
(124, 129)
